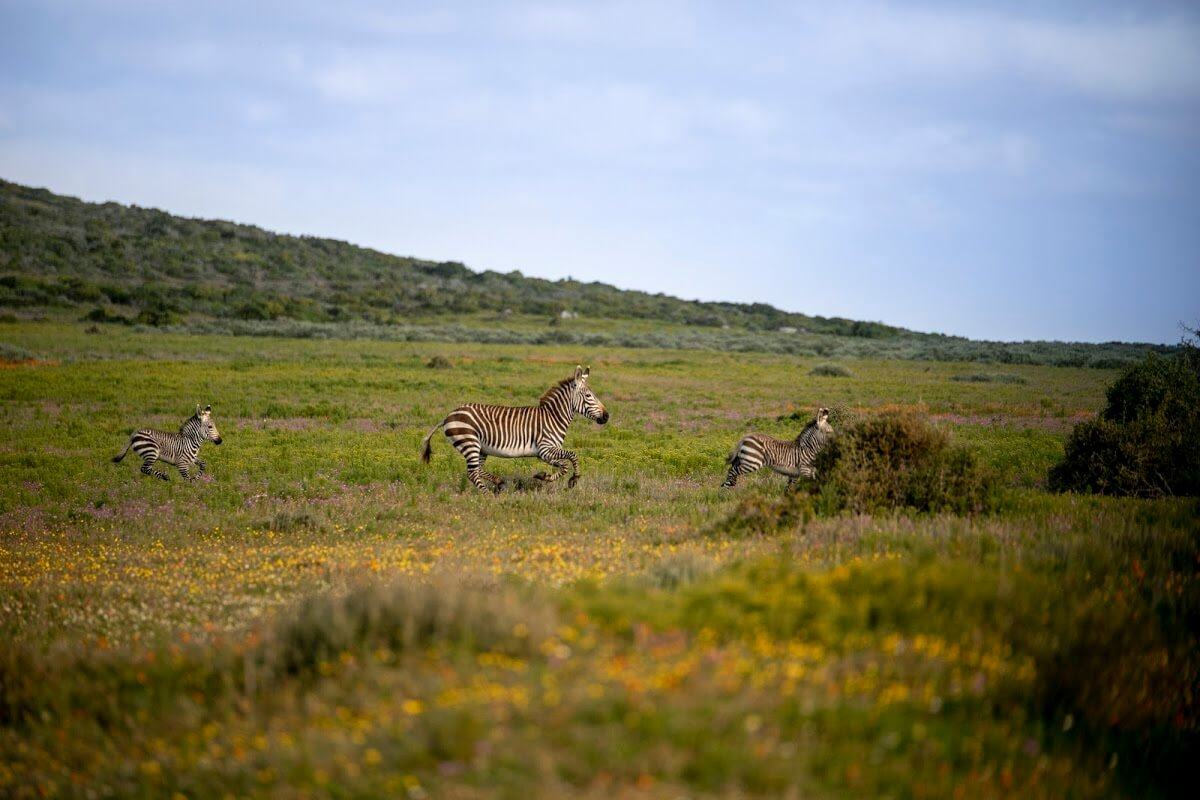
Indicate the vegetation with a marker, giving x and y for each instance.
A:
(1146, 441)
(988, 377)
(829, 371)
(115, 264)
(877, 464)
(899, 461)
(323, 615)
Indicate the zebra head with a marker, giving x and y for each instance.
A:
(823, 420)
(584, 401)
(208, 428)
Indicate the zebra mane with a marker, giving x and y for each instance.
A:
(187, 423)
(812, 423)
(555, 389)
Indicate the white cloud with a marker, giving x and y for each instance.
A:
(1117, 59)
(619, 23)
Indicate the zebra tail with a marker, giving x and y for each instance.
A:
(733, 453)
(117, 459)
(427, 445)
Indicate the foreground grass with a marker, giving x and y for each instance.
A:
(325, 617)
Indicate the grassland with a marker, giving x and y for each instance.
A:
(322, 615)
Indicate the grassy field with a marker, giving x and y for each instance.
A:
(322, 615)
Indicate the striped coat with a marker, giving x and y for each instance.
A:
(791, 458)
(477, 431)
(179, 449)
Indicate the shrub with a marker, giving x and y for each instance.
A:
(680, 569)
(1146, 441)
(404, 616)
(158, 316)
(12, 352)
(290, 522)
(102, 314)
(900, 461)
(830, 371)
(439, 362)
(881, 463)
(989, 377)
(758, 515)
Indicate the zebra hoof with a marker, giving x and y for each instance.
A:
(541, 476)
(162, 477)
(499, 487)
(574, 479)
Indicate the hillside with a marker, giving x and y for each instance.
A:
(69, 251)
(116, 263)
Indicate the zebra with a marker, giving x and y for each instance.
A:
(793, 459)
(478, 431)
(180, 449)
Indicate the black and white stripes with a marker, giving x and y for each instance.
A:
(794, 458)
(478, 431)
(180, 449)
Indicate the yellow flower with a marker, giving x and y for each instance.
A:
(412, 707)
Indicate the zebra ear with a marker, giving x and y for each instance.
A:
(208, 409)
(578, 372)
(587, 371)
(197, 409)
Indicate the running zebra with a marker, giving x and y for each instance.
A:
(794, 458)
(478, 431)
(180, 449)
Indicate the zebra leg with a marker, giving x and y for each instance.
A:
(468, 445)
(746, 459)
(496, 481)
(484, 481)
(737, 469)
(148, 468)
(186, 471)
(202, 467)
(559, 459)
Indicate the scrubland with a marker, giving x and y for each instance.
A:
(324, 616)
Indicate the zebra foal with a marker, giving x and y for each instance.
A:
(478, 431)
(793, 459)
(180, 449)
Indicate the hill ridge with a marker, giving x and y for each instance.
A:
(129, 264)
(52, 236)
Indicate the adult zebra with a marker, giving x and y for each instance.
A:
(180, 449)
(478, 431)
(793, 459)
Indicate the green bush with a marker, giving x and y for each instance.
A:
(407, 615)
(829, 371)
(102, 314)
(758, 515)
(1146, 441)
(12, 352)
(989, 377)
(894, 461)
(899, 461)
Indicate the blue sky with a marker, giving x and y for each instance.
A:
(1008, 171)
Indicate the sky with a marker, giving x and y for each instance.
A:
(1008, 170)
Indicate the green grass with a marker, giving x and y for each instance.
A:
(328, 616)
